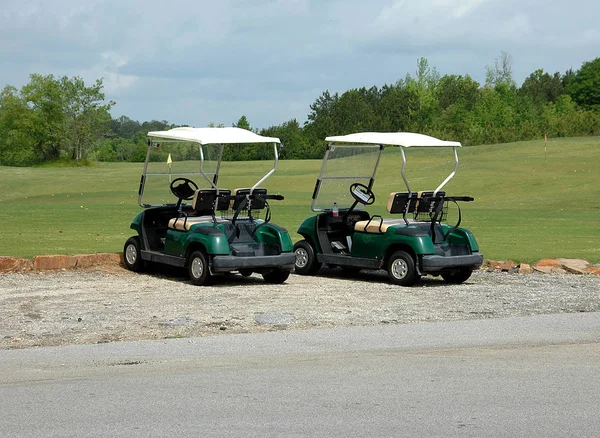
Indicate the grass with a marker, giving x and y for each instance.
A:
(529, 203)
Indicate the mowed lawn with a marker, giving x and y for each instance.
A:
(532, 199)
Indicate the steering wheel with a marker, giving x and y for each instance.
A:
(185, 190)
(361, 193)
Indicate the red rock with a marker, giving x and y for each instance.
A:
(14, 264)
(53, 262)
(548, 262)
(593, 270)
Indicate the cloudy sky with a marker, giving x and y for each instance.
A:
(196, 62)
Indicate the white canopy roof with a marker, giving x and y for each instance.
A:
(405, 139)
(213, 135)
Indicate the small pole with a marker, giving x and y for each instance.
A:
(545, 148)
(169, 161)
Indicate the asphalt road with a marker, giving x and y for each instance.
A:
(525, 376)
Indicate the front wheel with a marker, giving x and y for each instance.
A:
(457, 277)
(276, 276)
(401, 269)
(198, 269)
(132, 254)
(306, 260)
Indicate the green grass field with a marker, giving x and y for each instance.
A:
(529, 203)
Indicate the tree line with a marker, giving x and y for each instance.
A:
(61, 118)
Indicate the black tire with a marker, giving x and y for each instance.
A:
(245, 272)
(198, 269)
(276, 276)
(457, 277)
(401, 269)
(306, 260)
(132, 255)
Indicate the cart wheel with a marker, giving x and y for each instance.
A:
(306, 261)
(457, 277)
(401, 269)
(198, 269)
(245, 272)
(276, 276)
(132, 254)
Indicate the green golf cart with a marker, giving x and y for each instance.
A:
(190, 222)
(413, 241)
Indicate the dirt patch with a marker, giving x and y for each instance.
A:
(112, 304)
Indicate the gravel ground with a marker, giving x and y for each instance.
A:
(95, 306)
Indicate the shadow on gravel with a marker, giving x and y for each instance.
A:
(380, 276)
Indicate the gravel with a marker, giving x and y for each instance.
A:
(96, 306)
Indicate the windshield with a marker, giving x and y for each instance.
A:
(168, 160)
(344, 165)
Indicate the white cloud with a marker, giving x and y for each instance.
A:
(196, 62)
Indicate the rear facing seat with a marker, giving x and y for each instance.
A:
(203, 205)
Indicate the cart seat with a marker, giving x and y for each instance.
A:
(376, 225)
(204, 201)
(184, 223)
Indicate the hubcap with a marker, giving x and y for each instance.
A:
(399, 268)
(197, 267)
(131, 254)
(301, 257)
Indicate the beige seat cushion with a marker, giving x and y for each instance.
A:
(376, 226)
(181, 224)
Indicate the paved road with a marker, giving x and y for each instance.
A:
(525, 376)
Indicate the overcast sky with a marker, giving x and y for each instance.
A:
(196, 62)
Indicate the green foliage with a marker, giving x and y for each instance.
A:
(584, 87)
(49, 118)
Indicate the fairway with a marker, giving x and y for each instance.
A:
(532, 200)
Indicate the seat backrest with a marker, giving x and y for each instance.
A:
(204, 201)
(258, 198)
(223, 200)
(402, 202)
(429, 203)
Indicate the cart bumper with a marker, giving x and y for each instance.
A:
(435, 263)
(233, 263)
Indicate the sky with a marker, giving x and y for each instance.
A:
(200, 62)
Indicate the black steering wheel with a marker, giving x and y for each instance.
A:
(184, 191)
(361, 193)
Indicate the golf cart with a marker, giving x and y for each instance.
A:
(220, 230)
(415, 241)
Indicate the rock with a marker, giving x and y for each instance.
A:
(15, 264)
(525, 268)
(90, 260)
(593, 270)
(501, 265)
(574, 266)
(542, 268)
(53, 262)
(557, 271)
(548, 262)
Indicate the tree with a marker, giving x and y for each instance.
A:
(543, 88)
(500, 73)
(584, 87)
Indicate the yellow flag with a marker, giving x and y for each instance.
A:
(169, 161)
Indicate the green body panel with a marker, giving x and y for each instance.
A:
(373, 246)
(461, 236)
(308, 230)
(274, 235)
(136, 224)
(177, 242)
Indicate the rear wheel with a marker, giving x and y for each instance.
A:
(198, 269)
(132, 254)
(459, 276)
(401, 269)
(306, 260)
(276, 276)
